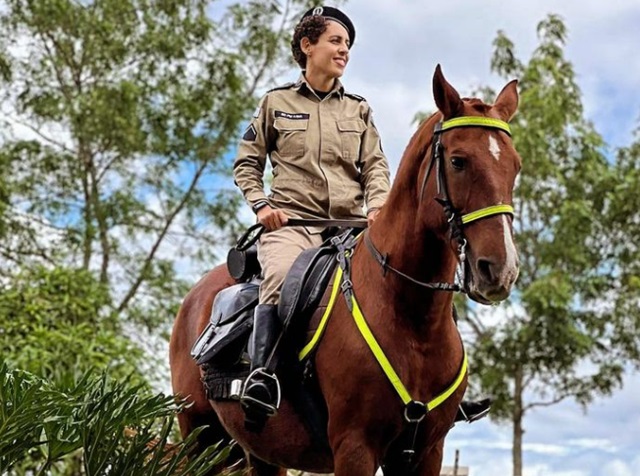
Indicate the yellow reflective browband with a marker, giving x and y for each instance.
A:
(471, 121)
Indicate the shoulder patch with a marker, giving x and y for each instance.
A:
(284, 86)
(355, 96)
(250, 134)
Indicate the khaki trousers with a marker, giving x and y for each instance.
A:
(277, 250)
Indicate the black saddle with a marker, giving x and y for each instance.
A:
(225, 338)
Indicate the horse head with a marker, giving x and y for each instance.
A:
(470, 166)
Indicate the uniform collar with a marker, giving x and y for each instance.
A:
(302, 83)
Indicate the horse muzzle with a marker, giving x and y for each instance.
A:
(491, 281)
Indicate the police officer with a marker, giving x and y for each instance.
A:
(327, 163)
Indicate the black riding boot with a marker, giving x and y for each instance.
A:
(471, 411)
(261, 395)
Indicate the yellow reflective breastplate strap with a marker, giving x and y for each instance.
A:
(391, 374)
(377, 351)
(325, 317)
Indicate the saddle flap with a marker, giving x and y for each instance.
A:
(305, 284)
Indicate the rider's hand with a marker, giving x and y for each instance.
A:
(371, 216)
(272, 218)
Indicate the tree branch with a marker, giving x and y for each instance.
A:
(475, 324)
(41, 134)
(263, 67)
(147, 262)
(547, 403)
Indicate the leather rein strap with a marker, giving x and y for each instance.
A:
(251, 236)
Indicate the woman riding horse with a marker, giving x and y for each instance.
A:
(400, 275)
(323, 168)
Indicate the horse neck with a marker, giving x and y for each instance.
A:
(414, 244)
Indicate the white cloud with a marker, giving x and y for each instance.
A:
(398, 46)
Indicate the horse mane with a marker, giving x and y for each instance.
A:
(421, 139)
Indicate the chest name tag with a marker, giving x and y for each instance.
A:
(294, 116)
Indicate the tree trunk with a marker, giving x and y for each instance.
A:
(517, 422)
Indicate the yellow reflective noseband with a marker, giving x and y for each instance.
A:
(487, 212)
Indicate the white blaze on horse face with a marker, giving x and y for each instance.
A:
(509, 246)
(494, 148)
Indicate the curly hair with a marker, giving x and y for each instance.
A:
(311, 27)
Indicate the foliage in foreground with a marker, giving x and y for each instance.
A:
(108, 428)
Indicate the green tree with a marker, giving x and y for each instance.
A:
(120, 116)
(57, 323)
(117, 121)
(623, 229)
(565, 334)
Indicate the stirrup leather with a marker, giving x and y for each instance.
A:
(263, 377)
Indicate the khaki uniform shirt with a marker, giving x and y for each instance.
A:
(326, 154)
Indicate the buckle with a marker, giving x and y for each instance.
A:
(478, 415)
(346, 285)
(414, 411)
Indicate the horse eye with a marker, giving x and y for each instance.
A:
(457, 162)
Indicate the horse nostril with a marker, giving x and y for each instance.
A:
(485, 268)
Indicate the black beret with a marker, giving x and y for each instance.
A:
(336, 15)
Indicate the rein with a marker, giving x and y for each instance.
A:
(455, 220)
(253, 233)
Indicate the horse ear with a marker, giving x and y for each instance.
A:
(446, 97)
(507, 101)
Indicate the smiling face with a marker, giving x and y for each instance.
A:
(328, 58)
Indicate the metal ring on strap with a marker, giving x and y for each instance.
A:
(487, 212)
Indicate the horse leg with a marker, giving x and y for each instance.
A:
(258, 467)
(352, 457)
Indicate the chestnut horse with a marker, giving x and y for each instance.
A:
(464, 157)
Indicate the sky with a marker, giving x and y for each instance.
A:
(397, 47)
